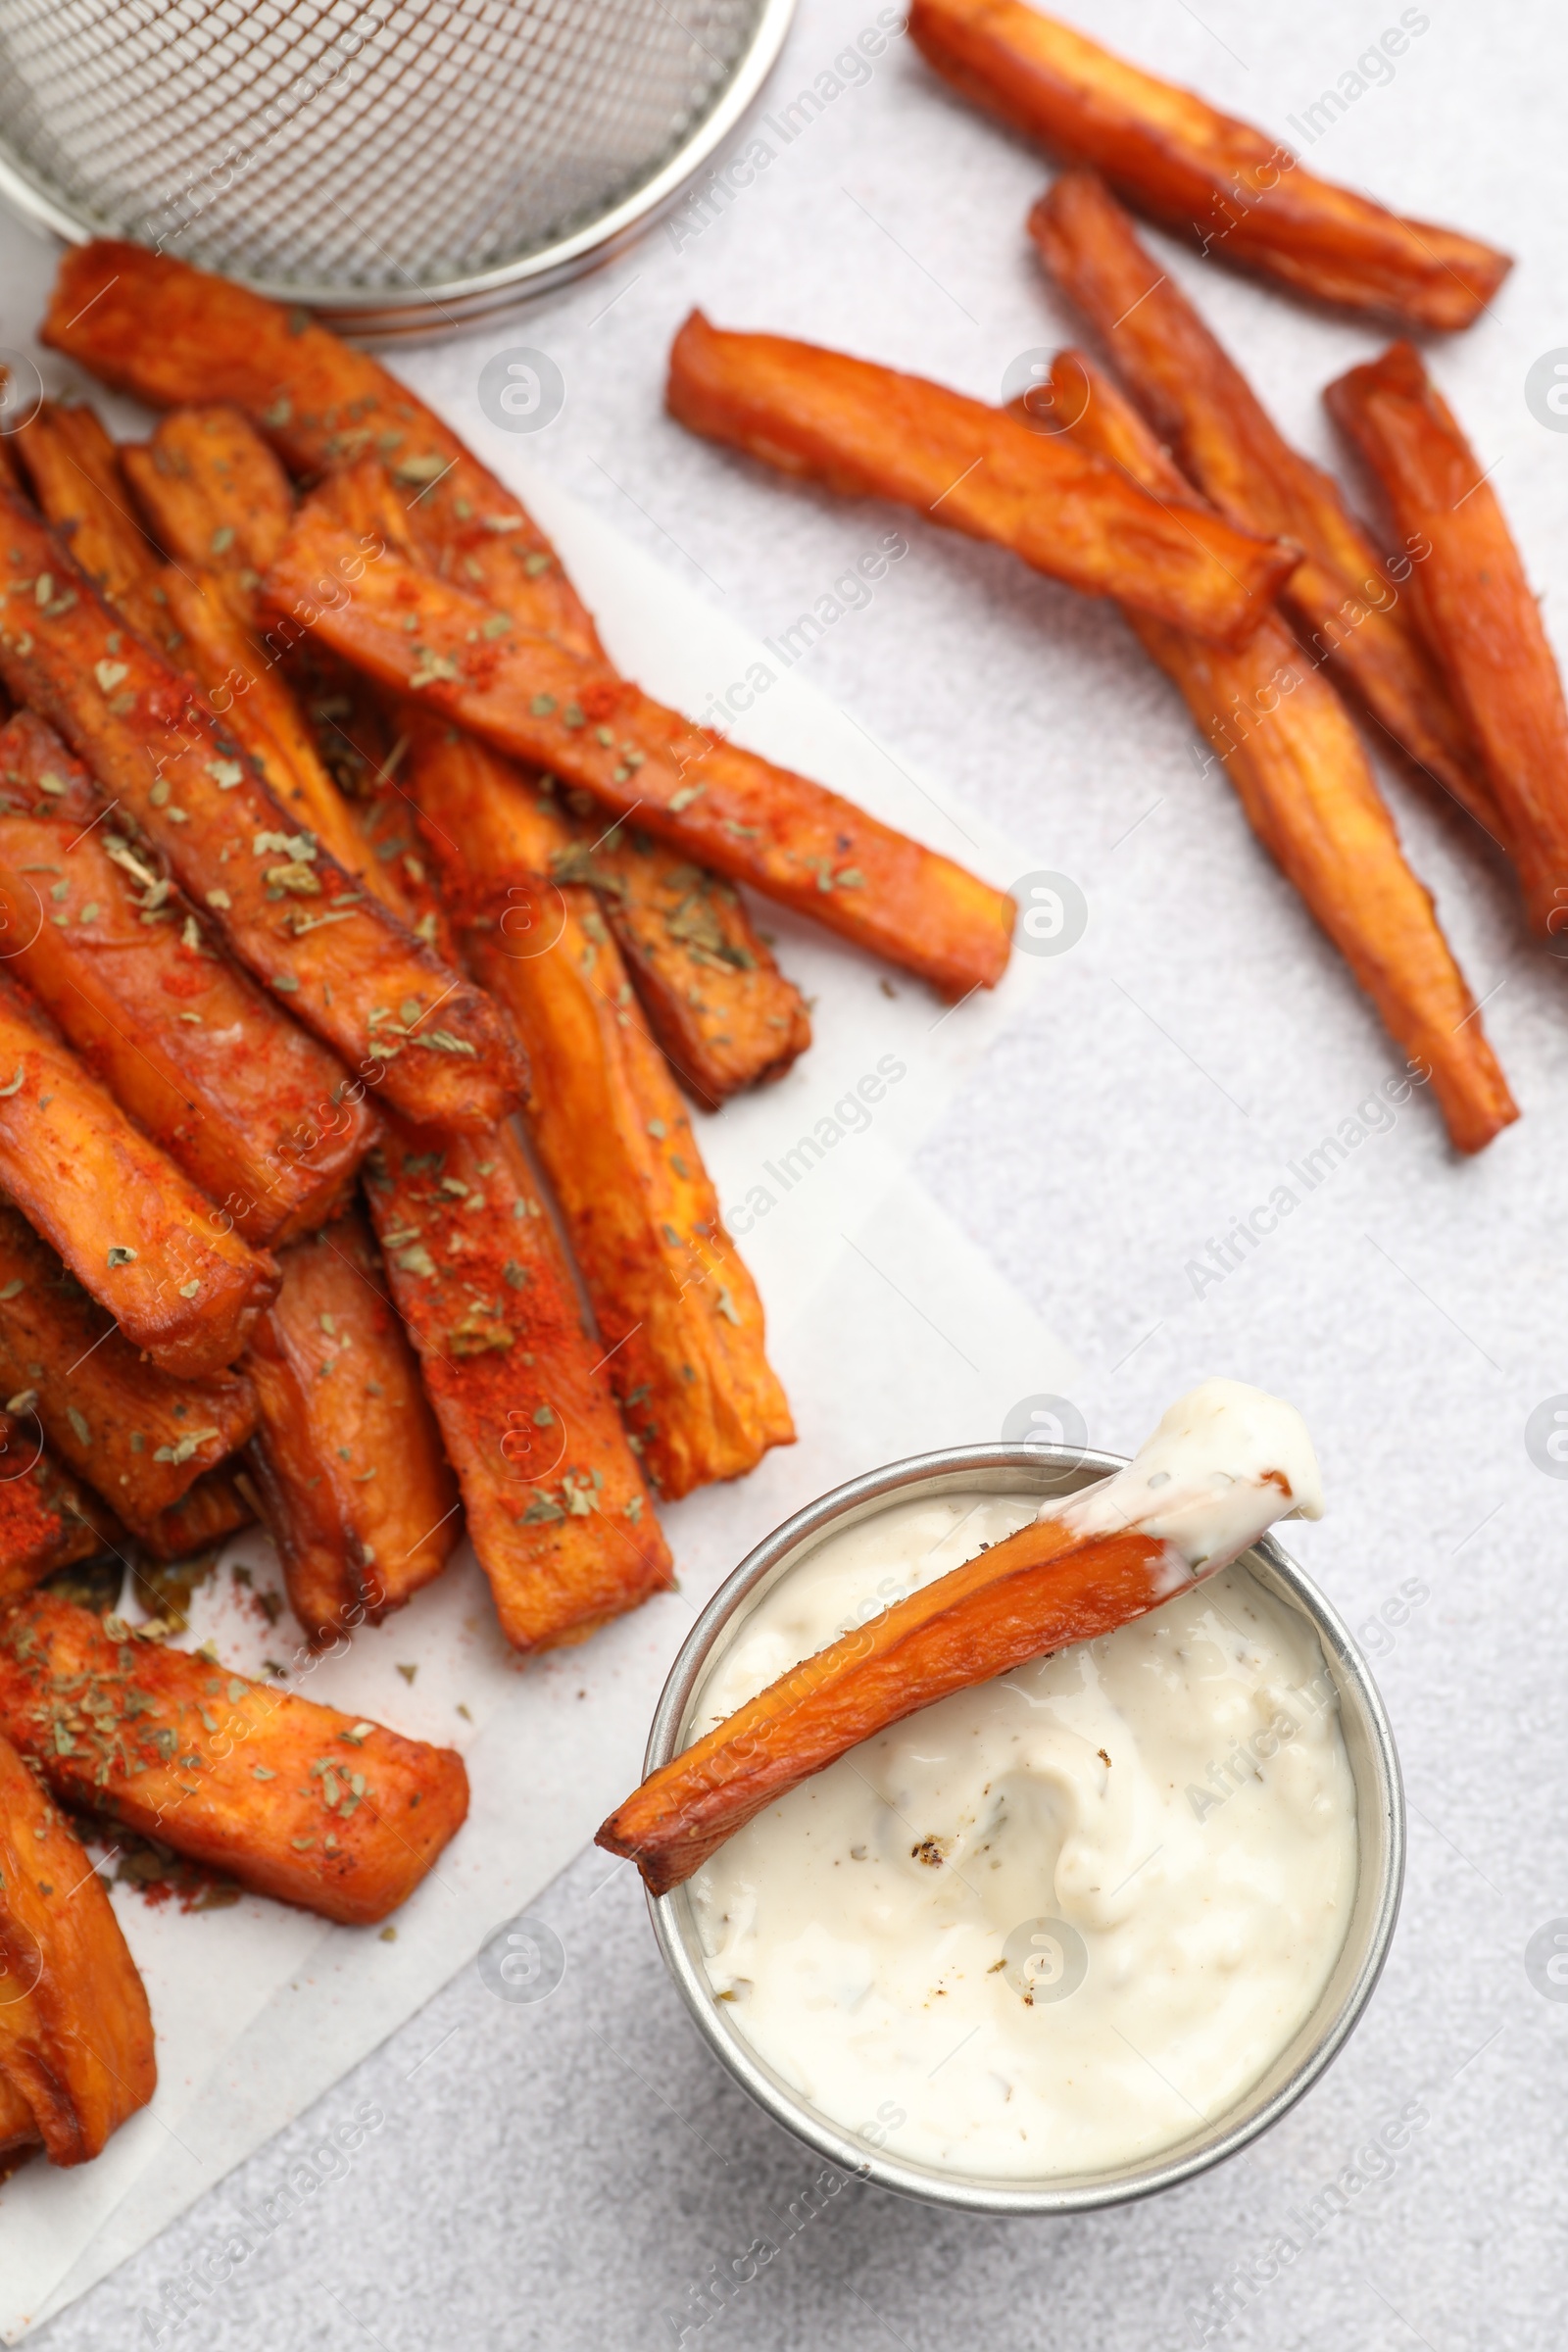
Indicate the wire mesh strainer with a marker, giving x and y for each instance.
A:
(401, 165)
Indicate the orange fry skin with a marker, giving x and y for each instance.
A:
(1300, 774)
(140, 1435)
(255, 1110)
(1038, 1591)
(295, 1801)
(716, 1000)
(207, 1513)
(730, 809)
(557, 1509)
(348, 1461)
(74, 469)
(1476, 605)
(678, 1313)
(76, 2031)
(172, 336)
(129, 1224)
(47, 1518)
(1237, 194)
(868, 431)
(214, 495)
(1343, 595)
(135, 722)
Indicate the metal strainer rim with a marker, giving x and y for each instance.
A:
(371, 309)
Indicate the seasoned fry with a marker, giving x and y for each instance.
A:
(293, 1800)
(732, 809)
(215, 1508)
(140, 1435)
(249, 696)
(716, 999)
(1035, 1591)
(677, 1311)
(1343, 595)
(217, 498)
(47, 1519)
(74, 469)
(347, 968)
(172, 334)
(1477, 608)
(75, 2034)
(348, 1461)
(256, 1111)
(556, 1507)
(1235, 191)
(130, 1225)
(1287, 745)
(868, 431)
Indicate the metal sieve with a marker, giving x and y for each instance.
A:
(399, 166)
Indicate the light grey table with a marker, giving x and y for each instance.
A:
(565, 2173)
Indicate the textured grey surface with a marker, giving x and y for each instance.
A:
(564, 2174)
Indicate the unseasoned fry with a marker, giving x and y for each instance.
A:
(75, 2034)
(1037, 1591)
(140, 1435)
(347, 968)
(256, 1111)
(172, 334)
(130, 1225)
(47, 1518)
(217, 498)
(75, 471)
(1477, 608)
(296, 1800)
(868, 431)
(1289, 748)
(716, 999)
(732, 809)
(1346, 599)
(556, 1507)
(348, 1461)
(678, 1312)
(1239, 195)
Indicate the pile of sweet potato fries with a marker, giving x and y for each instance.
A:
(329, 838)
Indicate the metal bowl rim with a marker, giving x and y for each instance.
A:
(474, 296)
(973, 2194)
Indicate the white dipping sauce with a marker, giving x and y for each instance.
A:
(1151, 1836)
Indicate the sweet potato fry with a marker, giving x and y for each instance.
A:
(716, 1000)
(556, 1507)
(74, 469)
(293, 1800)
(1477, 608)
(140, 1435)
(1287, 745)
(256, 1111)
(871, 433)
(47, 1518)
(217, 498)
(1037, 1591)
(732, 809)
(76, 2032)
(347, 1462)
(1239, 195)
(172, 334)
(130, 1225)
(348, 969)
(215, 1508)
(677, 1311)
(1341, 594)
